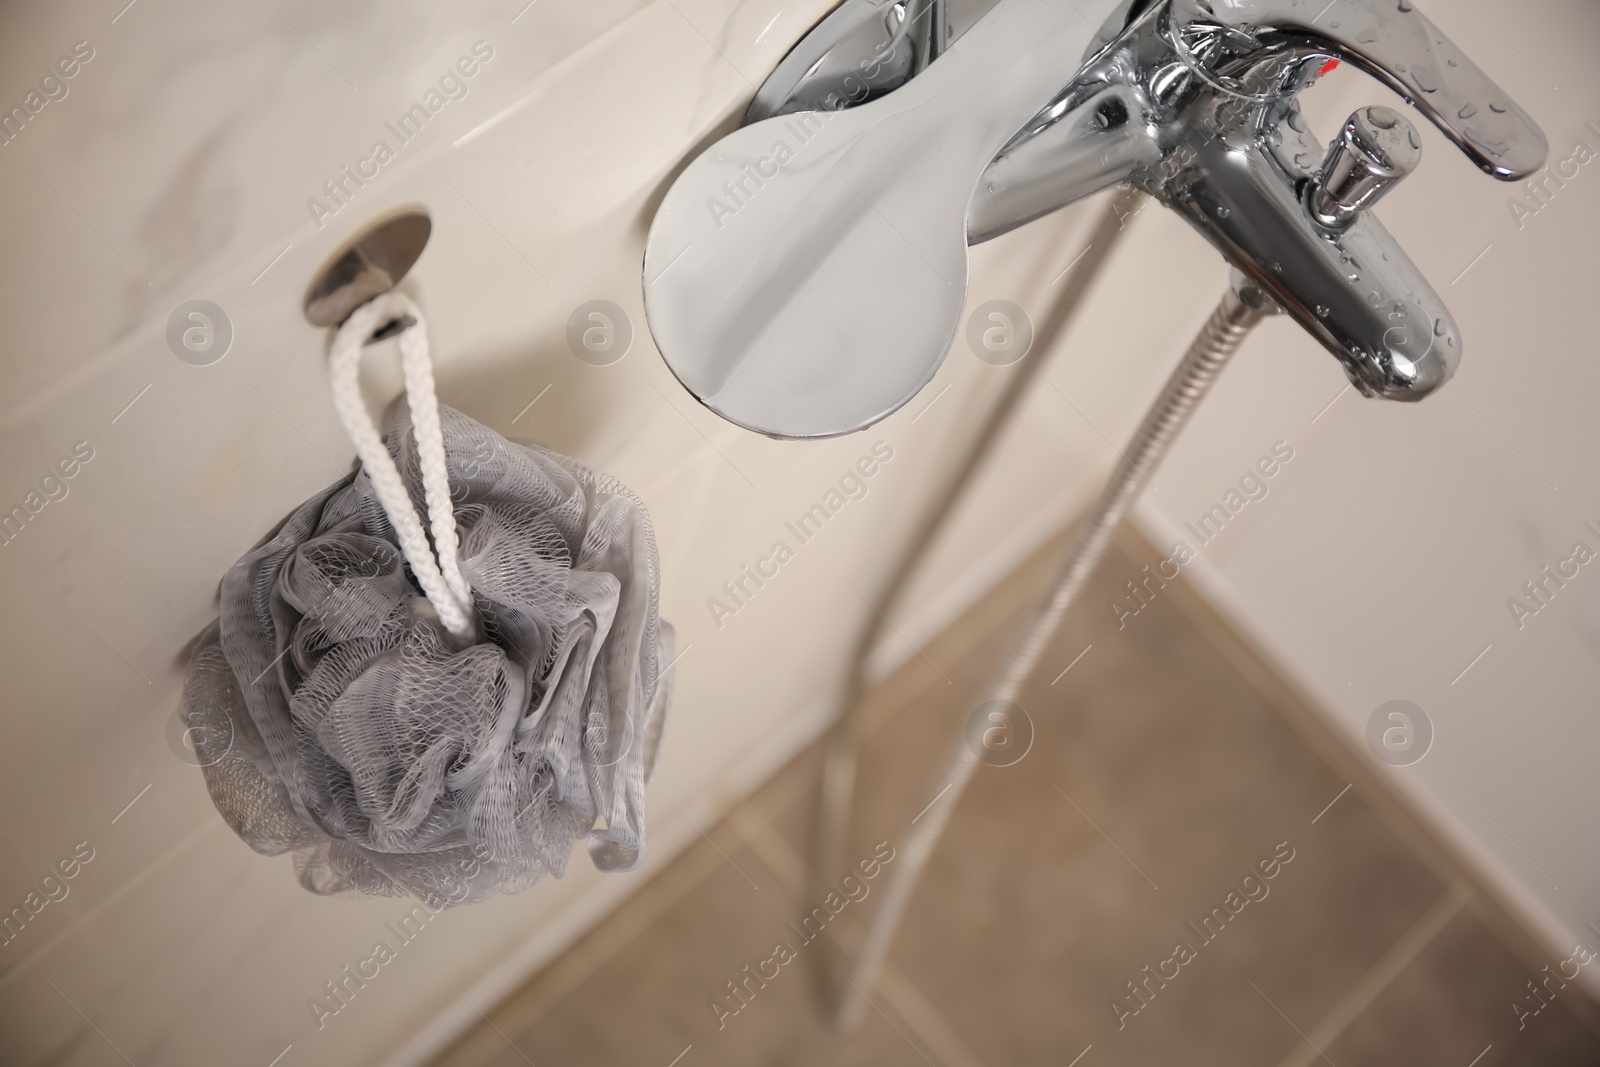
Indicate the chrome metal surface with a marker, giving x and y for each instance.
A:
(804, 276)
(1241, 307)
(821, 316)
(821, 308)
(1202, 114)
(1374, 149)
(1193, 105)
(1237, 44)
(371, 262)
(861, 50)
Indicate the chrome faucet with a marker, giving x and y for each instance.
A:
(801, 278)
(1195, 103)
(805, 275)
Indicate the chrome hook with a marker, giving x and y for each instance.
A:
(369, 263)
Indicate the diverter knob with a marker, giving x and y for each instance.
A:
(1374, 150)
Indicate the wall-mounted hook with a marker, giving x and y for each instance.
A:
(370, 263)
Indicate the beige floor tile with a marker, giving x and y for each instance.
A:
(1455, 1001)
(1154, 765)
(652, 999)
(1157, 779)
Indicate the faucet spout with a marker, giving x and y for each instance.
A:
(1086, 146)
(804, 276)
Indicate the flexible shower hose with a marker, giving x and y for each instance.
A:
(1241, 307)
(830, 832)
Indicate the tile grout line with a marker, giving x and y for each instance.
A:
(924, 1020)
(543, 991)
(116, 895)
(491, 1023)
(705, 835)
(1379, 976)
(901, 994)
(762, 838)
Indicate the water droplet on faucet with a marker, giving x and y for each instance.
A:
(1468, 110)
(1406, 7)
(1222, 211)
(1322, 311)
(1499, 106)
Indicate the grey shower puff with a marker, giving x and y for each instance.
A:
(335, 718)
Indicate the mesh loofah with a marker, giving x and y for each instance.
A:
(337, 719)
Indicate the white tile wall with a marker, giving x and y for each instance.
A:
(179, 165)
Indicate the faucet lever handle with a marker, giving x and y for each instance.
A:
(1392, 41)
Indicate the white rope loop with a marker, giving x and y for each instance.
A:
(418, 367)
(441, 579)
